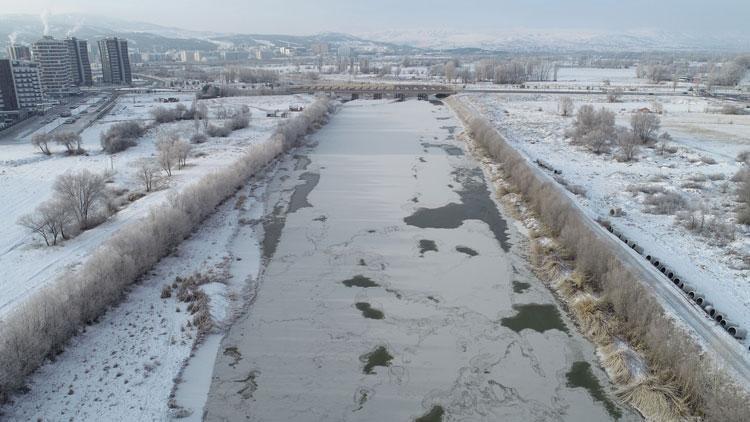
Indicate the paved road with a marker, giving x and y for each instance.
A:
(726, 348)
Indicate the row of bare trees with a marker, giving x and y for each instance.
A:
(40, 327)
(70, 140)
(596, 129)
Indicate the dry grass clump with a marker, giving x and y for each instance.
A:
(665, 203)
(653, 397)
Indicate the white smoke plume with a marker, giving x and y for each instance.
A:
(75, 28)
(12, 37)
(45, 21)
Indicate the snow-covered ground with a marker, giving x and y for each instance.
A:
(27, 176)
(124, 367)
(701, 135)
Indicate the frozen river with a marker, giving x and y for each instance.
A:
(395, 290)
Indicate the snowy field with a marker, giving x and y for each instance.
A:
(27, 176)
(124, 367)
(705, 144)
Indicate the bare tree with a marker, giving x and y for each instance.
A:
(182, 150)
(644, 125)
(81, 192)
(50, 220)
(70, 140)
(148, 173)
(166, 144)
(201, 113)
(614, 95)
(594, 129)
(628, 145)
(41, 141)
(565, 106)
(450, 71)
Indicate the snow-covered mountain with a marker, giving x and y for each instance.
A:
(152, 37)
(563, 40)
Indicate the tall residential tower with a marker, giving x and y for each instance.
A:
(54, 65)
(115, 61)
(80, 66)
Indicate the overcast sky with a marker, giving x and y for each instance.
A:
(357, 16)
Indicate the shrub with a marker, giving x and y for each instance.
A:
(644, 125)
(121, 136)
(731, 109)
(218, 131)
(179, 112)
(239, 122)
(565, 106)
(198, 138)
(666, 203)
(743, 157)
(594, 129)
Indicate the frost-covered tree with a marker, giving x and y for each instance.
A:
(148, 172)
(565, 106)
(50, 220)
(450, 71)
(70, 140)
(644, 125)
(81, 192)
(628, 145)
(41, 141)
(593, 128)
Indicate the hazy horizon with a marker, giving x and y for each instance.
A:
(298, 17)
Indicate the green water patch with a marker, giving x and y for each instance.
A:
(580, 375)
(360, 281)
(378, 357)
(476, 204)
(535, 317)
(368, 311)
(434, 415)
(272, 228)
(426, 245)
(302, 162)
(467, 250)
(520, 286)
(447, 148)
(301, 192)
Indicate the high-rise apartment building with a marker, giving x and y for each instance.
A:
(115, 61)
(80, 66)
(19, 52)
(20, 88)
(54, 65)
